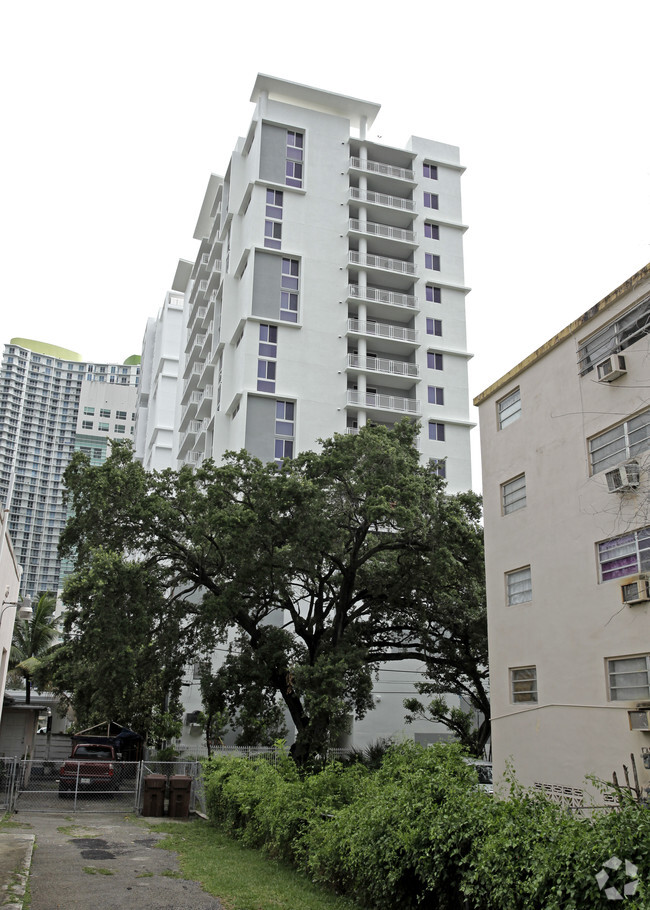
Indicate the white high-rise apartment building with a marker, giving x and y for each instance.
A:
(51, 404)
(328, 292)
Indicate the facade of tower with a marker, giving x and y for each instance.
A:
(328, 291)
(51, 404)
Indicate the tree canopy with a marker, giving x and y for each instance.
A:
(314, 573)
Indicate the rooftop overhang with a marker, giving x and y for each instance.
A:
(353, 109)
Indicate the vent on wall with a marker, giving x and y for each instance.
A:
(623, 477)
(639, 719)
(635, 590)
(612, 368)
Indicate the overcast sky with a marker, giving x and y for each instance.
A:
(115, 115)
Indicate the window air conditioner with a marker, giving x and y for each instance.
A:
(635, 590)
(612, 368)
(622, 478)
(639, 719)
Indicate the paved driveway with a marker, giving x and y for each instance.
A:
(105, 862)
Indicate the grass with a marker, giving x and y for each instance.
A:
(241, 878)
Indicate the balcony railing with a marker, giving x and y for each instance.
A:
(381, 230)
(382, 365)
(384, 330)
(378, 295)
(394, 202)
(372, 400)
(378, 167)
(381, 262)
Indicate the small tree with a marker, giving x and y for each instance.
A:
(33, 640)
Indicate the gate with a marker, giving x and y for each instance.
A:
(36, 786)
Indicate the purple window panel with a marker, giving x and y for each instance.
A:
(437, 432)
(433, 295)
(430, 201)
(436, 395)
(434, 361)
(432, 231)
(432, 261)
(430, 171)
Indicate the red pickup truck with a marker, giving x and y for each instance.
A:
(90, 768)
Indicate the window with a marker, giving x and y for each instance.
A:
(432, 262)
(284, 429)
(437, 431)
(293, 172)
(289, 293)
(433, 294)
(273, 235)
(266, 375)
(513, 494)
(615, 337)
(434, 326)
(523, 685)
(89, 411)
(274, 203)
(439, 467)
(432, 231)
(625, 440)
(430, 200)
(519, 587)
(436, 395)
(284, 418)
(120, 415)
(430, 171)
(434, 361)
(629, 678)
(268, 346)
(103, 427)
(86, 424)
(624, 555)
(104, 412)
(509, 408)
(120, 428)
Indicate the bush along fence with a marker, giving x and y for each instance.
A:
(419, 832)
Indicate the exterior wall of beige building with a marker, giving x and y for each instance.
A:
(568, 657)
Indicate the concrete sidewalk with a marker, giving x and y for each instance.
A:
(98, 861)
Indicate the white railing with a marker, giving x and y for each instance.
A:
(394, 202)
(378, 167)
(382, 365)
(384, 330)
(205, 258)
(383, 402)
(380, 296)
(195, 398)
(381, 230)
(200, 313)
(194, 458)
(352, 431)
(207, 392)
(216, 265)
(381, 262)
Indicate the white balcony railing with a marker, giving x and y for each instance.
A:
(393, 202)
(378, 167)
(384, 330)
(378, 402)
(378, 295)
(382, 365)
(381, 230)
(381, 262)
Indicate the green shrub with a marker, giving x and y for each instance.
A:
(419, 833)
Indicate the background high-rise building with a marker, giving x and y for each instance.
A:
(51, 404)
(327, 292)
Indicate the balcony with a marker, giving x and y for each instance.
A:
(386, 298)
(383, 263)
(194, 459)
(205, 401)
(384, 331)
(372, 364)
(389, 404)
(386, 170)
(386, 231)
(382, 199)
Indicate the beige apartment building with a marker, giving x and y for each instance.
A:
(565, 442)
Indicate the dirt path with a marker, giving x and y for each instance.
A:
(105, 862)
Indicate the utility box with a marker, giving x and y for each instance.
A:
(180, 787)
(153, 803)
